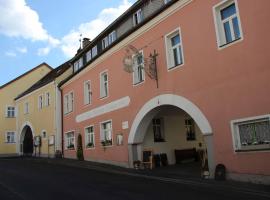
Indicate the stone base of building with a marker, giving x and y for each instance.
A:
(252, 178)
(9, 155)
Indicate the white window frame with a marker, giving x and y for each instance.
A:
(112, 37)
(68, 140)
(137, 17)
(220, 34)
(14, 137)
(68, 102)
(87, 92)
(236, 136)
(136, 81)
(105, 42)
(103, 132)
(87, 135)
(40, 102)
(104, 85)
(169, 53)
(89, 55)
(26, 107)
(47, 99)
(10, 111)
(78, 64)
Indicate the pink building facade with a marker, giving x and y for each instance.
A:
(211, 90)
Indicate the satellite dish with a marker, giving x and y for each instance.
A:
(128, 58)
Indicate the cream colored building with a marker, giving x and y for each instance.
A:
(39, 115)
(8, 108)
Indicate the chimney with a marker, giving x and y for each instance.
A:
(85, 42)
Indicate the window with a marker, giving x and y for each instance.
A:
(87, 93)
(106, 133)
(138, 67)
(26, 107)
(105, 42)
(227, 22)
(103, 84)
(166, 1)
(190, 129)
(40, 102)
(68, 102)
(47, 99)
(174, 49)
(94, 51)
(10, 137)
(251, 133)
(119, 140)
(10, 113)
(70, 141)
(78, 64)
(112, 37)
(88, 55)
(89, 137)
(158, 130)
(137, 17)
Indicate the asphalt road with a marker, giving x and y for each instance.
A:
(28, 179)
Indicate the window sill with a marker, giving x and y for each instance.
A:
(159, 141)
(252, 150)
(138, 83)
(175, 67)
(105, 97)
(220, 47)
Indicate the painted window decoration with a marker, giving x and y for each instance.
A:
(47, 99)
(227, 23)
(78, 64)
(26, 108)
(158, 130)
(103, 84)
(40, 102)
(10, 113)
(190, 129)
(87, 93)
(89, 137)
(252, 134)
(174, 50)
(68, 102)
(119, 139)
(138, 67)
(106, 133)
(70, 141)
(10, 137)
(137, 17)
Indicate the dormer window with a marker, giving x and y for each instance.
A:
(109, 39)
(88, 56)
(78, 64)
(94, 51)
(137, 17)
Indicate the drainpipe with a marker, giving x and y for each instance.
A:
(62, 123)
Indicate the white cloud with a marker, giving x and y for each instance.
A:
(19, 20)
(70, 42)
(10, 54)
(22, 49)
(44, 51)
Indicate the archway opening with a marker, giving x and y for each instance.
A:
(174, 126)
(27, 146)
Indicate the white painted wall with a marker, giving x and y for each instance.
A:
(175, 136)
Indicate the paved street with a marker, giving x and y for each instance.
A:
(39, 179)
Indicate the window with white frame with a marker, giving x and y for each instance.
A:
(89, 137)
(68, 102)
(251, 134)
(137, 17)
(112, 37)
(158, 129)
(10, 137)
(10, 112)
(138, 67)
(103, 84)
(174, 49)
(166, 1)
(94, 51)
(26, 107)
(70, 140)
(105, 42)
(227, 22)
(78, 64)
(88, 55)
(47, 99)
(87, 93)
(40, 101)
(106, 133)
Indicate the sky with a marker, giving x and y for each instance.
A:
(36, 31)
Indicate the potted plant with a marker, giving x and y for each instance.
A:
(106, 142)
(71, 146)
(90, 145)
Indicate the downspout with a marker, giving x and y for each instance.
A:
(62, 122)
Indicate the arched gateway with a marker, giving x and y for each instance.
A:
(26, 141)
(164, 103)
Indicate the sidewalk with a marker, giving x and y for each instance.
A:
(161, 175)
